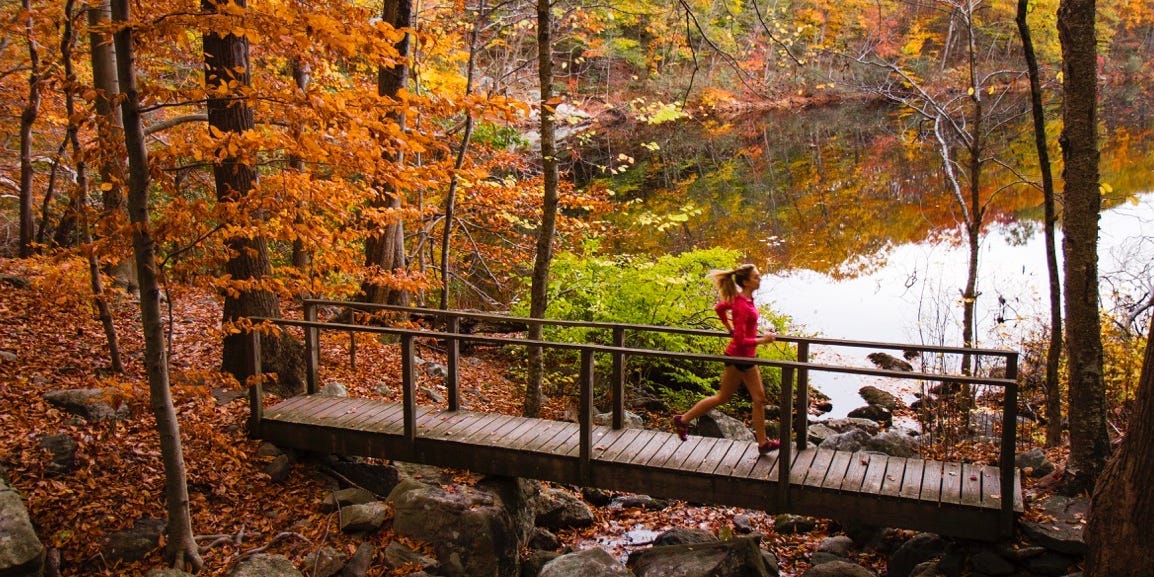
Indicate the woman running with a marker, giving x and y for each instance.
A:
(740, 317)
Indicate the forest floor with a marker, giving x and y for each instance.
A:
(56, 342)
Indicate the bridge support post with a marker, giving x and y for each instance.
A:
(618, 394)
(255, 392)
(312, 348)
(785, 452)
(585, 414)
(409, 395)
(1009, 446)
(802, 422)
(452, 356)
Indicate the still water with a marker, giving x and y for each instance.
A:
(914, 296)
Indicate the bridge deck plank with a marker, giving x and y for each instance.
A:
(705, 469)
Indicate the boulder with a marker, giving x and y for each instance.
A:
(544, 540)
(921, 548)
(63, 450)
(888, 362)
(839, 545)
(379, 480)
(334, 390)
(874, 413)
(558, 510)
(324, 562)
(849, 423)
(1064, 533)
(1034, 463)
(346, 497)
(595, 562)
(719, 425)
(263, 565)
(838, 569)
(531, 566)
(680, 536)
(21, 552)
(92, 404)
(366, 517)
(851, 440)
(639, 502)
(876, 396)
(135, 543)
(400, 555)
(893, 443)
(472, 532)
(361, 560)
(631, 420)
(790, 523)
(740, 557)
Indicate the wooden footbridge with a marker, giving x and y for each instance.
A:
(950, 498)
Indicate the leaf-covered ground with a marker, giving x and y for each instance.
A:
(58, 343)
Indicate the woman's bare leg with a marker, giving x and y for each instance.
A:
(752, 381)
(730, 378)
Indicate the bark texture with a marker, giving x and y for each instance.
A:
(1089, 442)
(1122, 507)
(225, 61)
(385, 249)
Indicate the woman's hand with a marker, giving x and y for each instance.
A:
(769, 337)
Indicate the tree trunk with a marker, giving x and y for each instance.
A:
(385, 251)
(451, 196)
(1054, 350)
(181, 550)
(225, 60)
(1122, 506)
(67, 43)
(107, 115)
(27, 119)
(539, 290)
(1089, 441)
(302, 255)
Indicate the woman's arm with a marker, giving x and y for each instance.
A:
(722, 309)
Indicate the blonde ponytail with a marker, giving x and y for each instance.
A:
(728, 282)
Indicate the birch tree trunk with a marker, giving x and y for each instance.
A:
(181, 549)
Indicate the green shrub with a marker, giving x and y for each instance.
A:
(671, 290)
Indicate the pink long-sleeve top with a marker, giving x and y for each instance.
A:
(741, 315)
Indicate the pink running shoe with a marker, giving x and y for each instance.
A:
(768, 446)
(681, 428)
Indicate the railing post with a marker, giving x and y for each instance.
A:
(312, 348)
(785, 451)
(409, 396)
(255, 391)
(802, 423)
(1009, 444)
(585, 415)
(452, 356)
(618, 384)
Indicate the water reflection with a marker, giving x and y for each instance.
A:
(914, 297)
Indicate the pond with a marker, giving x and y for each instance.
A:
(914, 296)
(848, 214)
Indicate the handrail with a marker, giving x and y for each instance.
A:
(657, 328)
(800, 368)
